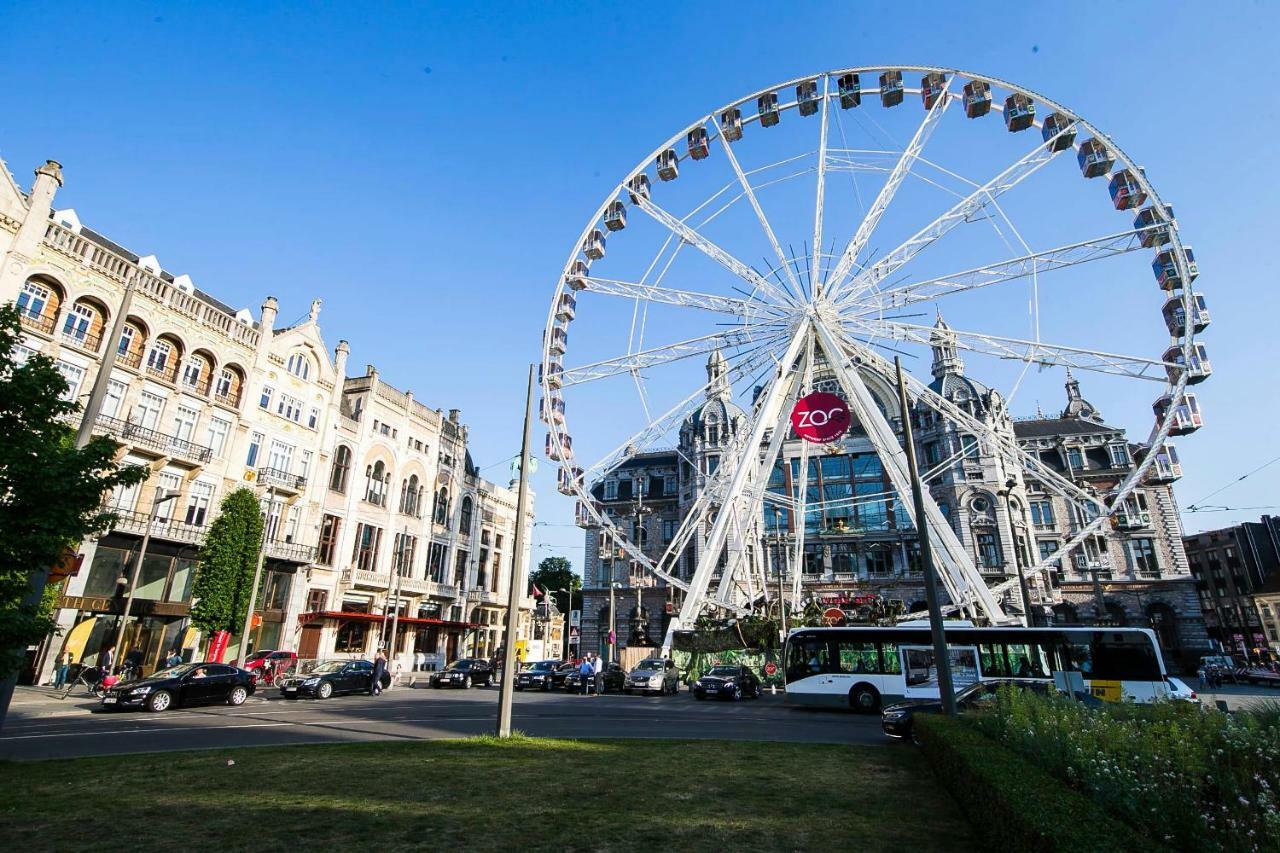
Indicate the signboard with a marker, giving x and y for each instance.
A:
(833, 616)
(771, 668)
(575, 618)
(820, 418)
(218, 645)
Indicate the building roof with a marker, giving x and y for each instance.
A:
(1046, 427)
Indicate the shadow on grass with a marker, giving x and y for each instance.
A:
(475, 794)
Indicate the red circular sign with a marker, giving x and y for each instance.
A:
(770, 668)
(820, 417)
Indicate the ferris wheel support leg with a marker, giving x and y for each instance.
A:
(960, 577)
(770, 415)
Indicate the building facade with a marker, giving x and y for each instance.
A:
(209, 400)
(1237, 570)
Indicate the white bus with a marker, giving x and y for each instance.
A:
(865, 668)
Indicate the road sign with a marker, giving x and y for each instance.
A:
(575, 618)
(771, 668)
(820, 417)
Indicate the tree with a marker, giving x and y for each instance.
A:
(227, 562)
(51, 492)
(556, 573)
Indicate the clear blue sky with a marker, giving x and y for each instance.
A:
(424, 169)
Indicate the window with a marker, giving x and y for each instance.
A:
(255, 449)
(184, 423)
(198, 502)
(1048, 547)
(147, 412)
(440, 513)
(33, 299)
(611, 490)
(969, 446)
(350, 637)
(464, 517)
(1119, 456)
(313, 418)
(78, 322)
(713, 463)
(857, 657)
(1142, 556)
(158, 358)
(406, 547)
(368, 538)
(988, 550)
(435, 561)
(281, 456)
(808, 657)
(1075, 459)
(341, 468)
(170, 482)
(192, 370)
(126, 340)
(73, 374)
(328, 544)
(1042, 513)
(668, 529)
(290, 408)
(226, 379)
(299, 365)
(304, 465)
(669, 486)
(376, 479)
(264, 402)
(114, 400)
(216, 437)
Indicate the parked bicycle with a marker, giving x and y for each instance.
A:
(90, 678)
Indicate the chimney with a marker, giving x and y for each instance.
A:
(266, 327)
(453, 415)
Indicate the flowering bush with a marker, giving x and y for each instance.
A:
(1198, 780)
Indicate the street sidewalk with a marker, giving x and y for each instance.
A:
(41, 702)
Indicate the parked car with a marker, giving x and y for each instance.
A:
(1180, 692)
(615, 678)
(464, 673)
(331, 677)
(539, 675)
(562, 672)
(267, 664)
(654, 675)
(184, 684)
(896, 720)
(727, 682)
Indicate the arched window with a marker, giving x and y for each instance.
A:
(464, 523)
(299, 365)
(440, 514)
(377, 478)
(341, 468)
(410, 496)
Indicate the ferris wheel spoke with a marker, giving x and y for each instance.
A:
(734, 306)
(1013, 269)
(783, 264)
(962, 211)
(743, 271)
(757, 333)
(819, 204)
(887, 192)
(1033, 352)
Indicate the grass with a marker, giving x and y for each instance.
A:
(484, 794)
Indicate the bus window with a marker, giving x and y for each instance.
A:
(1078, 657)
(1119, 657)
(919, 666)
(991, 656)
(1027, 662)
(858, 657)
(890, 664)
(808, 657)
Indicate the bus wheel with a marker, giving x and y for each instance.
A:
(864, 699)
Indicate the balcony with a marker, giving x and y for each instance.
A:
(170, 530)
(1132, 520)
(483, 596)
(281, 479)
(37, 322)
(408, 585)
(231, 399)
(289, 552)
(82, 340)
(163, 373)
(129, 359)
(158, 442)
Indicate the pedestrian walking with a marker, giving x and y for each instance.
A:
(107, 659)
(60, 675)
(587, 673)
(379, 668)
(174, 658)
(597, 667)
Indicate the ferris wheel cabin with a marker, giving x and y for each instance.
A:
(1148, 218)
(891, 88)
(767, 107)
(807, 97)
(554, 375)
(559, 452)
(977, 98)
(615, 216)
(1175, 315)
(731, 124)
(1059, 131)
(1094, 158)
(551, 409)
(567, 307)
(567, 479)
(578, 272)
(932, 85)
(1125, 191)
(1166, 268)
(1186, 414)
(593, 246)
(1197, 371)
(559, 339)
(638, 188)
(699, 145)
(668, 165)
(850, 91)
(1019, 112)
(1166, 468)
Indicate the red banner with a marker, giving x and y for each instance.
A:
(218, 645)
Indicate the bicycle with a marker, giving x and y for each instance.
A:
(90, 677)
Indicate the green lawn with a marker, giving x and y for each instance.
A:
(483, 795)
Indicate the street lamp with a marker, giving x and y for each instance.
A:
(162, 496)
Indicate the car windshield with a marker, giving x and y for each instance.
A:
(459, 664)
(723, 671)
(330, 666)
(648, 665)
(543, 666)
(261, 653)
(172, 672)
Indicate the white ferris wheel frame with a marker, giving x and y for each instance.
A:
(778, 310)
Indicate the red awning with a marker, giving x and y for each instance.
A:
(354, 616)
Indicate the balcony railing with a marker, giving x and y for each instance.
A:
(232, 400)
(172, 530)
(140, 436)
(290, 552)
(283, 479)
(83, 340)
(164, 374)
(129, 358)
(39, 322)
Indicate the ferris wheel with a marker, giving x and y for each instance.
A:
(804, 236)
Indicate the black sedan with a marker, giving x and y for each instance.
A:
(464, 673)
(331, 677)
(185, 684)
(896, 720)
(542, 675)
(727, 682)
(615, 678)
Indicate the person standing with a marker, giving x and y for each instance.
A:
(379, 667)
(107, 659)
(587, 673)
(597, 667)
(64, 664)
(174, 658)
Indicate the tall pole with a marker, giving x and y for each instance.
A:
(516, 587)
(257, 577)
(160, 498)
(613, 623)
(395, 603)
(945, 690)
(1028, 615)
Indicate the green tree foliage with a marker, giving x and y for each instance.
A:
(556, 573)
(228, 558)
(51, 493)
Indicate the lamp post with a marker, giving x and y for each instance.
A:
(162, 496)
(1030, 616)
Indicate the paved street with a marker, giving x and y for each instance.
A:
(41, 726)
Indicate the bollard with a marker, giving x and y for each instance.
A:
(773, 689)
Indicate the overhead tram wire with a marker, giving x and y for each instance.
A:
(1195, 507)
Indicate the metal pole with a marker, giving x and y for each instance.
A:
(395, 605)
(1029, 617)
(516, 587)
(257, 577)
(943, 660)
(613, 624)
(137, 570)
